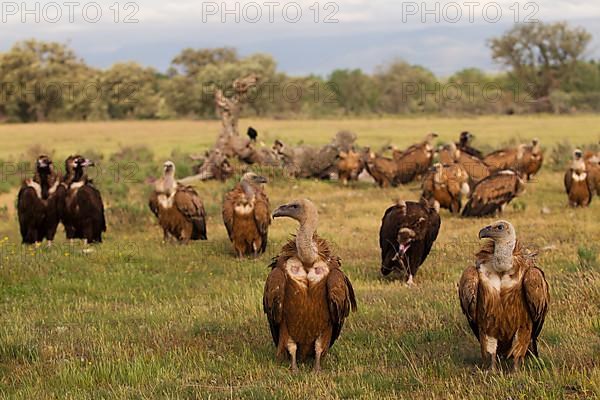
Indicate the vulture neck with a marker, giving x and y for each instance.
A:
(42, 177)
(248, 190)
(169, 183)
(80, 175)
(307, 247)
(503, 254)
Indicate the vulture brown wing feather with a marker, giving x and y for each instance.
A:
(467, 292)
(340, 295)
(537, 297)
(190, 205)
(262, 216)
(273, 299)
(228, 211)
(153, 203)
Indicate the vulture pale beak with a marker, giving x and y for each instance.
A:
(88, 163)
(42, 163)
(286, 210)
(486, 232)
(260, 179)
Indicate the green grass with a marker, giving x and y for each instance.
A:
(141, 319)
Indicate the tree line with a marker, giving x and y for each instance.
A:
(545, 70)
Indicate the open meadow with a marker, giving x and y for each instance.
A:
(137, 318)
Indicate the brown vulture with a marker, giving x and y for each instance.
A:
(415, 160)
(464, 145)
(82, 209)
(593, 169)
(577, 182)
(492, 194)
(408, 230)
(532, 159)
(474, 166)
(37, 203)
(446, 184)
(246, 215)
(509, 158)
(307, 297)
(382, 169)
(179, 209)
(504, 297)
(349, 166)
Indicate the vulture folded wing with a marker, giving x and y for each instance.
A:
(537, 296)
(90, 204)
(189, 204)
(467, 293)
(491, 193)
(262, 216)
(228, 211)
(153, 203)
(568, 180)
(273, 299)
(340, 295)
(433, 228)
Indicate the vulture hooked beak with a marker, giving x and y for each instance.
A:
(287, 210)
(486, 232)
(88, 163)
(260, 179)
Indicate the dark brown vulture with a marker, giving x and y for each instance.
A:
(593, 169)
(246, 215)
(408, 230)
(382, 169)
(509, 158)
(464, 145)
(504, 297)
(349, 165)
(83, 210)
(179, 209)
(474, 166)
(491, 195)
(577, 183)
(307, 297)
(414, 161)
(532, 159)
(37, 203)
(448, 185)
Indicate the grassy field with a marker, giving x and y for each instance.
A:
(141, 319)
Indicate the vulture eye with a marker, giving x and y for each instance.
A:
(501, 227)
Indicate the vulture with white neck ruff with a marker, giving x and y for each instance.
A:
(307, 297)
(504, 296)
(179, 209)
(408, 231)
(82, 210)
(247, 216)
(577, 182)
(37, 205)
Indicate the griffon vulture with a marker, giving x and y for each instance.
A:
(83, 210)
(474, 166)
(577, 183)
(246, 215)
(464, 145)
(179, 209)
(382, 169)
(415, 160)
(509, 158)
(349, 166)
(491, 195)
(532, 159)
(37, 203)
(307, 297)
(446, 184)
(504, 297)
(408, 230)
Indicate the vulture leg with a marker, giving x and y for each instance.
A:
(292, 347)
(321, 346)
(489, 347)
(410, 281)
(517, 362)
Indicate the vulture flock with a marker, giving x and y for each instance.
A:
(307, 297)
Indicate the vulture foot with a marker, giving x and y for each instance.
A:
(410, 282)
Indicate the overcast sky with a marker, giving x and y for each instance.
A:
(442, 36)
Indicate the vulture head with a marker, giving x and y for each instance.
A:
(301, 210)
(429, 138)
(406, 236)
(503, 234)
(465, 138)
(578, 161)
(169, 169)
(76, 167)
(43, 165)
(251, 177)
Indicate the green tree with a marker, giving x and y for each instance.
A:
(355, 92)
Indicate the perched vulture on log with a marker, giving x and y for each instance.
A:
(446, 184)
(464, 145)
(475, 167)
(509, 158)
(492, 194)
(83, 210)
(408, 230)
(215, 165)
(307, 297)
(179, 209)
(37, 203)
(504, 297)
(414, 161)
(577, 182)
(532, 159)
(246, 215)
(382, 169)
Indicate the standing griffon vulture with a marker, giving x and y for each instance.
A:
(492, 194)
(307, 297)
(408, 230)
(82, 209)
(465, 146)
(504, 297)
(446, 184)
(37, 203)
(348, 166)
(474, 166)
(382, 169)
(246, 215)
(415, 160)
(577, 183)
(179, 209)
(532, 159)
